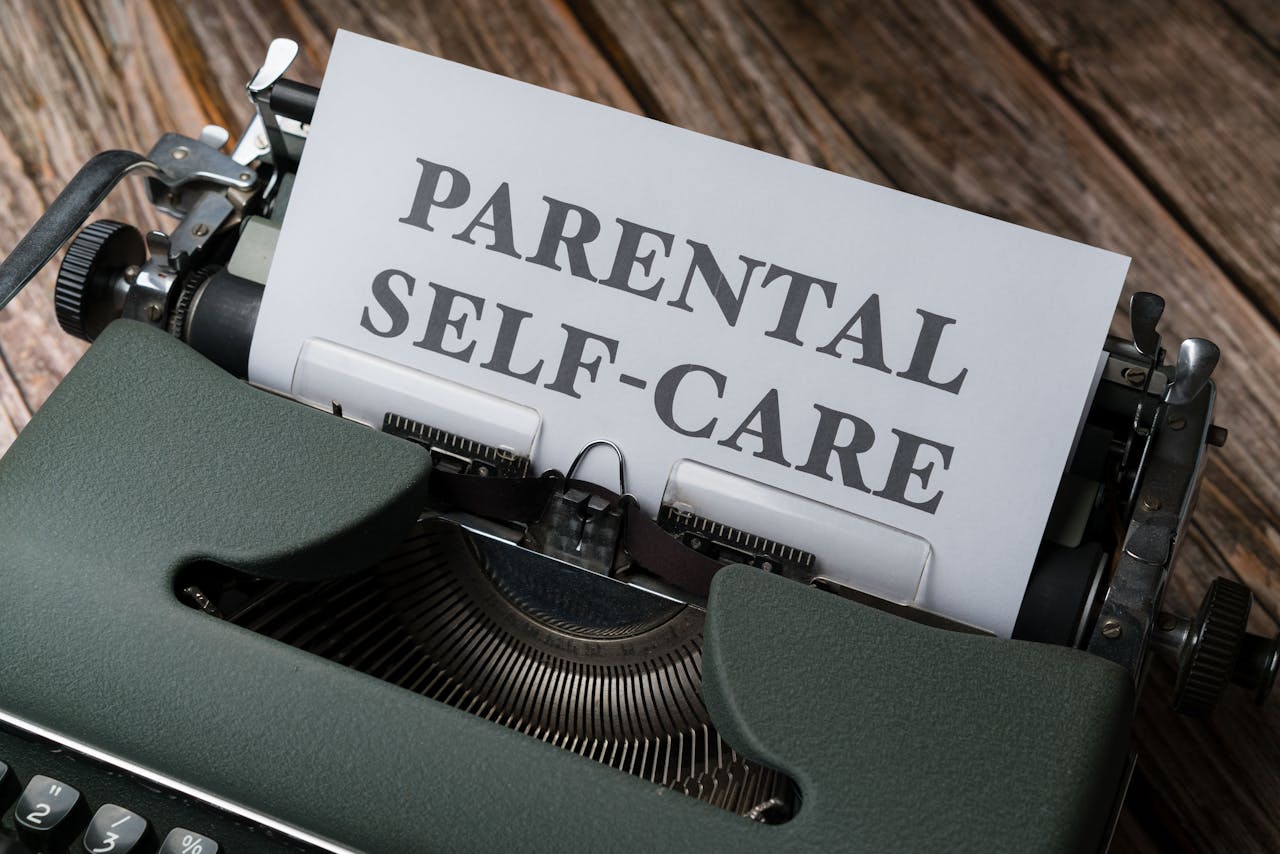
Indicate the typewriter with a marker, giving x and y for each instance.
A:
(233, 621)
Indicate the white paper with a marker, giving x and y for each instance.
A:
(1030, 311)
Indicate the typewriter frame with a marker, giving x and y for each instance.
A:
(212, 194)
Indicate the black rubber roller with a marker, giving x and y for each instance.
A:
(215, 314)
(82, 298)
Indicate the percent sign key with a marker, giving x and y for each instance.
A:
(182, 841)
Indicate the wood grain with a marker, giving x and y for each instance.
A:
(710, 69)
(1258, 17)
(76, 81)
(1099, 123)
(532, 41)
(1188, 98)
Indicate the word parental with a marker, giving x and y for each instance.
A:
(568, 228)
(443, 199)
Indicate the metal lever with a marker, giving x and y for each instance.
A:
(280, 55)
(1197, 358)
(64, 217)
(1145, 309)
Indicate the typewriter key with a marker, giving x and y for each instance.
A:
(183, 841)
(8, 786)
(48, 814)
(116, 830)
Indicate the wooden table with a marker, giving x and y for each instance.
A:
(1151, 129)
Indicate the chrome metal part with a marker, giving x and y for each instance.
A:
(208, 216)
(208, 191)
(1145, 309)
(733, 545)
(579, 527)
(1215, 649)
(187, 169)
(499, 544)
(602, 443)
(214, 136)
(157, 243)
(1197, 358)
(1131, 369)
(280, 55)
(1167, 480)
(147, 297)
(253, 143)
(450, 452)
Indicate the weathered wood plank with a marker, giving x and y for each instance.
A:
(1138, 832)
(707, 68)
(1189, 96)
(1260, 17)
(538, 42)
(77, 81)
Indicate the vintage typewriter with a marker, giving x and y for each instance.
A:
(230, 622)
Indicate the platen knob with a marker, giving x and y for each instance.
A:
(99, 254)
(1207, 658)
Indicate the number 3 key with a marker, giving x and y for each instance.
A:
(116, 830)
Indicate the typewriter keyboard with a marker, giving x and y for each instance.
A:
(53, 800)
(52, 816)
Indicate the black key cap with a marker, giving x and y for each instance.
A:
(9, 787)
(183, 841)
(116, 830)
(49, 814)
